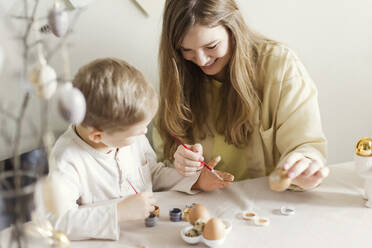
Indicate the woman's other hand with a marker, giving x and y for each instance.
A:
(305, 172)
(208, 181)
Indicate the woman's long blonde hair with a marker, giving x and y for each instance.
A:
(183, 108)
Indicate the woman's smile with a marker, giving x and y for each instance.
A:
(209, 66)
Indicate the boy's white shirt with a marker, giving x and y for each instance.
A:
(88, 179)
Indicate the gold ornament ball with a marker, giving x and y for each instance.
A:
(364, 147)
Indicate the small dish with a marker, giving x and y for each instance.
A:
(287, 210)
(200, 238)
(151, 221)
(249, 215)
(175, 214)
(190, 240)
(262, 221)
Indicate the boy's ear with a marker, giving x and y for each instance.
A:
(95, 135)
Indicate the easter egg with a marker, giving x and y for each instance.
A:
(214, 229)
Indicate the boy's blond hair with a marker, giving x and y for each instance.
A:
(117, 94)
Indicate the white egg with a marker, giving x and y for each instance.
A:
(71, 104)
(47, 91)
(44, 78)
(58, 21)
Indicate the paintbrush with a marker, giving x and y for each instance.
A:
(203, 163)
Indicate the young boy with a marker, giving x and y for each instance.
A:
(108, 156)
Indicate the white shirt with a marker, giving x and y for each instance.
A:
(89, 177)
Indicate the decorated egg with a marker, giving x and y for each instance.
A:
(44, 78)
(58, 21)
(71, 104)
(214, 229)
(364, 147)
(198, 212)
(279, 180)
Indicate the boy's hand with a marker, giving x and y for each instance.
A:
(187, 162)
(305, 172)
(209, 182)
(136, 207)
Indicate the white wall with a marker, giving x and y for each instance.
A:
(333, 38)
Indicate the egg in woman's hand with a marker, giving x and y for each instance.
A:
(199, 212)
(214, 229)
(279, 180)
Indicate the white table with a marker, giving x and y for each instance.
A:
(333, 215)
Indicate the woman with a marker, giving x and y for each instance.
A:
(238, 94)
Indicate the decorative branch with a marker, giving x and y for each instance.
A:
(4, 133)
(16, 159)
(20, 17)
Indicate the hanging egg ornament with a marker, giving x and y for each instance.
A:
(279, 180)
(58, 21)
(71, 104)
(44, 78)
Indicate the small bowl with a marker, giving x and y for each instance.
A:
(249, 215)
(190, 240)
(262, 221)
(175, 214)
(287, 210)
(151, 221)
(200, 238)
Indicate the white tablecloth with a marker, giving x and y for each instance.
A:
(333, 215)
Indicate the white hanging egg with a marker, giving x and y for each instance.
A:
(71, 104)
(58, 21)
(44, 78)
(48, 90)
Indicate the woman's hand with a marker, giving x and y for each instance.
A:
(207, 181)
(305, 172)
(187, 162)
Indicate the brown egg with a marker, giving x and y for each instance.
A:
(279, 180)
(198, 212)
(214, 229)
